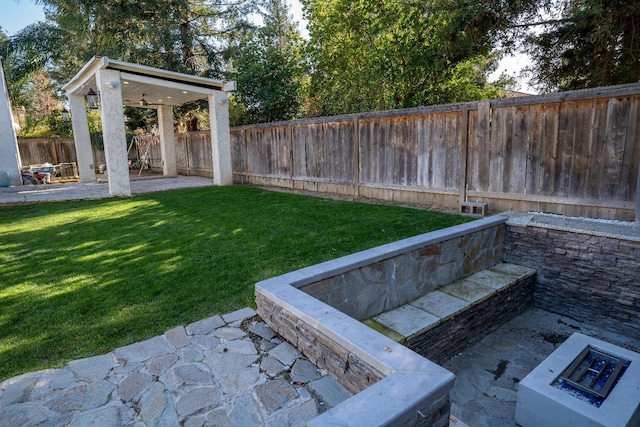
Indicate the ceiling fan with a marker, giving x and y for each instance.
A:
(143, 102)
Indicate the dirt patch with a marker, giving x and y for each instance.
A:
(499, 371)
(554, 339)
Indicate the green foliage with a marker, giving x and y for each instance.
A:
(81, 278)
(97, 139)
(94, 122)
(179, 35)
(268, 69)
(40, 101)
(361, 56)
(592, 43)
(193, 116)
(467, 81)
(57, 126)
(52, 126)
(35, 131)
(392, 54)
(140, 119)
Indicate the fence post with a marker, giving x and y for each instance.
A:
(464, 149)
(246, 155)
(638, 199)
(54, 152)
(187, 142)
(291, 158)
(356, 156)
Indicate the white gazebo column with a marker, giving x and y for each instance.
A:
(167, 140)
(9, 153)
(115, 138)
(220, 138)
(81, 138)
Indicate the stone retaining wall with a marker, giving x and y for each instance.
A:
(354, 374)
(587, 270)
(368, 290)
(363, 360)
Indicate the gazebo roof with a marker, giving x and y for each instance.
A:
(158, 86)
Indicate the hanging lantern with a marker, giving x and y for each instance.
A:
(65, 115)
(93, 100)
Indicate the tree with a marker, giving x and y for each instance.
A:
(393, 54)
(591, 43)
(179, 35)
(269, 69)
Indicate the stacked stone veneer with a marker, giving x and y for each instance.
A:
(587, 270)
(444, 257)
(318, 308)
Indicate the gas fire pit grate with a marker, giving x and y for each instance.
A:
(592, 375)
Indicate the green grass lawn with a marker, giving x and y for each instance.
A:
(82, 278)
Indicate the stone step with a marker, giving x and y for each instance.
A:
(436, 307)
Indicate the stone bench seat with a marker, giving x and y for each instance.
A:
(443, 322)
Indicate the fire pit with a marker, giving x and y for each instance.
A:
(585, 382)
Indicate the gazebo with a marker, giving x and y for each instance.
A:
(119, 84)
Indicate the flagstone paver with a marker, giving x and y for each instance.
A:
(224, 370)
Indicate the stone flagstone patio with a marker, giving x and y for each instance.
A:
(229, 370)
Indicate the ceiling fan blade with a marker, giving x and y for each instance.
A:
(144, 103)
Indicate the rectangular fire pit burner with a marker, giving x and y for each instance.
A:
(584, 382)
(592, 375)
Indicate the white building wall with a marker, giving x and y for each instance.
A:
(9, 154)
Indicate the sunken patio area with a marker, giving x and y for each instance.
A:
(488, 372)
(495, 297)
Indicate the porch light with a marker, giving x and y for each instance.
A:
(65, 114)
(93, 100)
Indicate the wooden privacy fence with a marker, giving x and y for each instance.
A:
(575, 153)
(54, 151)
(39, 151)
(193, 153)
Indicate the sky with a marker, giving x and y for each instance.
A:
(17, 14)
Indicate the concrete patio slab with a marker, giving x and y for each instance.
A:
(26, 194)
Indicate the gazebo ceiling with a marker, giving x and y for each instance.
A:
(159, 87)
(132, 93)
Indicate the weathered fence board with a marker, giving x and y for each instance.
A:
(238, 151)
(39, 151)
(598, 134)
(481, 149)
(194, 154)
(618, 119)
(550, 150)
(323, 151)
(631, 156)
